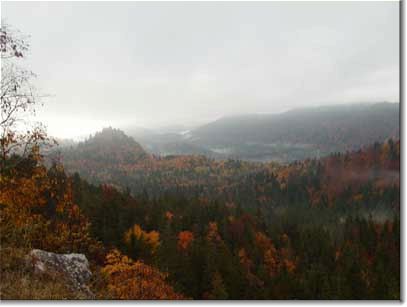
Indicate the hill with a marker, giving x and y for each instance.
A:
(224, 180)
(261, 233)
(300, 133)
(208, 229)
(346, 126)
(98, 157)
(112, 144)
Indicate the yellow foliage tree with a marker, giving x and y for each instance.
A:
(151, 238)
(134, 280)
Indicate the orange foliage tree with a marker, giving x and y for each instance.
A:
(185, 239)
(276, 260)
(37, 213)
(128, 279)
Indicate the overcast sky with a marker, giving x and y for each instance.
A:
(161, 63)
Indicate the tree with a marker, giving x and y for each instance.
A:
(185, 238)
(141, 243)
(218, 291)
(127, 279)
(39, 212)
(18, 133)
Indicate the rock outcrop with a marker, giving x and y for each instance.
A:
(74, 268)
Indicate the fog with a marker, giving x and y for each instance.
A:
(153, 64)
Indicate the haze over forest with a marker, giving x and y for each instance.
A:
(159, 65)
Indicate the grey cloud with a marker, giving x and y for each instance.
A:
(153, 63)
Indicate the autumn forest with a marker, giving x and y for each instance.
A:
(320, 221)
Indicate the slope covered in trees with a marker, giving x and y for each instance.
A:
(303, 237)
(340, 127)
(155, 175)
(322, 229)
(293, 135)
(110, 145)
(322, 181)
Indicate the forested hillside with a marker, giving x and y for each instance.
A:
(318, 229)
(301, 236)
(339, 127)
(231, 180)
(110, 145)
(293, 135)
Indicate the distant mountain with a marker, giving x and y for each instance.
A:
(348, 125)
(300, 133)
(293, 135)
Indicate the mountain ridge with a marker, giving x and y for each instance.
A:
(292, 135)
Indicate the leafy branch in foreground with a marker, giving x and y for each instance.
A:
(18, 133)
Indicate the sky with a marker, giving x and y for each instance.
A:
(155, 64)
